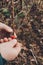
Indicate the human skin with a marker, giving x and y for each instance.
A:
(9, 50)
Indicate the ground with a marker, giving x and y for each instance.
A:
(29, 29)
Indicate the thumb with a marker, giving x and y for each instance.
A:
(5, 27)
(9, 44)
(12, 42)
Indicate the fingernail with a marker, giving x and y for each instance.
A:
(10, 30)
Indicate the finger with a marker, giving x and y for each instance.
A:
(9, 39)
(15, 35)
(1, 40)
(10, 53)
(9, 44)
(5, 27)
(18, 47)
(16, 50)
(5, 39)
(13, 42)
(13, 53)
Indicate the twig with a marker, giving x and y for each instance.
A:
(16, 2)
(34, 56)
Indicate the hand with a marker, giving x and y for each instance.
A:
(5, 27)
(9, 50)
